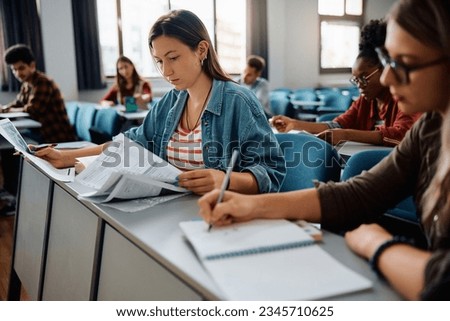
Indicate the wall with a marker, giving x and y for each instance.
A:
(59, 45)
(294, 43)
(293, 28)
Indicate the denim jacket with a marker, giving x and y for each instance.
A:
(232, 119)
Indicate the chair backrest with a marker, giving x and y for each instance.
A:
(72, 110)
(84, 120)
(283, 89)
(107, 124)
(307, 94)
(365, 160)
(335, 101)
(308, 158)
(280, 104)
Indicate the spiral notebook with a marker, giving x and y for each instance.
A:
(269, 260)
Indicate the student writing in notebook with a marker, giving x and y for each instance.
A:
(128, 84)
(416, 61)
(374, 117)
(196, 125)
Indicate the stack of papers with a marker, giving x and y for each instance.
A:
(126, 170)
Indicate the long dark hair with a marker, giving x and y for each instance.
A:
(121, 82)
(426, 20)
(190, 30)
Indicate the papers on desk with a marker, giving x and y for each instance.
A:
(12, 135)
(349, 148)
(269, 260)
(126, 170)
(19, 114)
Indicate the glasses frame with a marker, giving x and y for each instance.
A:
(386, 61)
(362, 81)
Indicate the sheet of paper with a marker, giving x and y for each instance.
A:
(140, 204)
(290, 266)
(126, 170)
(248, 237)
(12, 135)
(306, 273)
(19, 114)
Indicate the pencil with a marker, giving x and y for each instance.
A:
(226, 179)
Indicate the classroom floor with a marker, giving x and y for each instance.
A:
(6, 237)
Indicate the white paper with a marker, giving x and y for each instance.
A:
(127, 170)
(140, 204)
(287, 273)
(238, 238)
(12, 135)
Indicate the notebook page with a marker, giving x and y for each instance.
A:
(252, 237)
(304, 273)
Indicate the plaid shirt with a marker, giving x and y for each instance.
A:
(41, 98)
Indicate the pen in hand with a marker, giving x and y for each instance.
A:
(226, 179)
(35, 148)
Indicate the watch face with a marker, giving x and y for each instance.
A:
(130, 104)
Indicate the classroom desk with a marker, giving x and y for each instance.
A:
(66, 249)
(348, 148)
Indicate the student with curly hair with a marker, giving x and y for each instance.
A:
(374, 117)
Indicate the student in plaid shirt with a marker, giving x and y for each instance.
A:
(39, 96)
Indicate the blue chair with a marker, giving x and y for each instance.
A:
(305, 103)
(72, 110)
(107, 124)
(334, 102)
(280, 104)
(85, 120)
(308, 158)
(365, 160)
(283, 89)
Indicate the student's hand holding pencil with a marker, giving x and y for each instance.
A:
(233, 208)
(53, 156)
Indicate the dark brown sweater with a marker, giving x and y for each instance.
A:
(407, 170)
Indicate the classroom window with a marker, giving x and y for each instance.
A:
(124, 27)
(340, 27)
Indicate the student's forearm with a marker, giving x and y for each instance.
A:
(404, 268)
(313, 128)
(364, 136)
(303, 204)
(70, 155)
(243, 183)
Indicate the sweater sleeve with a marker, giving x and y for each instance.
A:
(395, 132)
(363, 198)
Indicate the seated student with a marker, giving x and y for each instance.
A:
(251, 78)
(128, 83)
(416, 68)
(39, 96)
(197, 124)
(375, 117)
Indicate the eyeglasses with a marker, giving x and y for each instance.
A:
(362, 81)
(402, 71)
